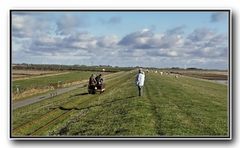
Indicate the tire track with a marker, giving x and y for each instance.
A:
(155, 112)
(65, 114)
(80, 109)
(65, 102)
(34, 123)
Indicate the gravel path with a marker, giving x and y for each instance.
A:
(34, 99)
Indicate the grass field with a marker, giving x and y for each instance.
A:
(37, 85)
(169, 107)
(19, 74)
(204, 74)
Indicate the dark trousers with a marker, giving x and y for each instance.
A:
(140, 90)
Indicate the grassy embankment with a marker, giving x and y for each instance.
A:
(170, 107)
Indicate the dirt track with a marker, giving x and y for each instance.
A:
(31, 100)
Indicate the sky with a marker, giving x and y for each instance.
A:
(121, 38)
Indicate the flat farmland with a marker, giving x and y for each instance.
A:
(170, 106)
(203, 74)
(20, 74)
(28, 87)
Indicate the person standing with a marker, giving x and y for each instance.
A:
(140, 78)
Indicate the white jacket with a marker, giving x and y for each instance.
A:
(140, 79)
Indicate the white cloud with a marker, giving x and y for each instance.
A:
(108, 41)
(68, 24)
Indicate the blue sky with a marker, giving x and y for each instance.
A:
(152, 39)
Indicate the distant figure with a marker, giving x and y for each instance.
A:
(140, 78)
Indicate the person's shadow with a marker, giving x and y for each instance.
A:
(102, 104)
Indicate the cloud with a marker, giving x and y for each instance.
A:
(201, 34)
(164, 53)
(77, 44)
(176, 30)
(108, 41)
(19, 26)
(80, 40)
(27, 26)
(204, 42)
(112, 20)
(20, 44)
(147, 39)
(139, 39)
(115, 20)
(68, 24)
(45, 45)
(156, 44)
(67, 38)
(174, 43)
(218, 17)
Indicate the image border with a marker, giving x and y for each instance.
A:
(229, 84)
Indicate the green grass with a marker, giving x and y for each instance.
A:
(169, 107)
(42, 82)
(187, 106)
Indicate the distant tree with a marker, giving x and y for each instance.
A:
(175, 68)
(193, 68)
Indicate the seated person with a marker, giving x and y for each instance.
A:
(99, 81)
(92, 82)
